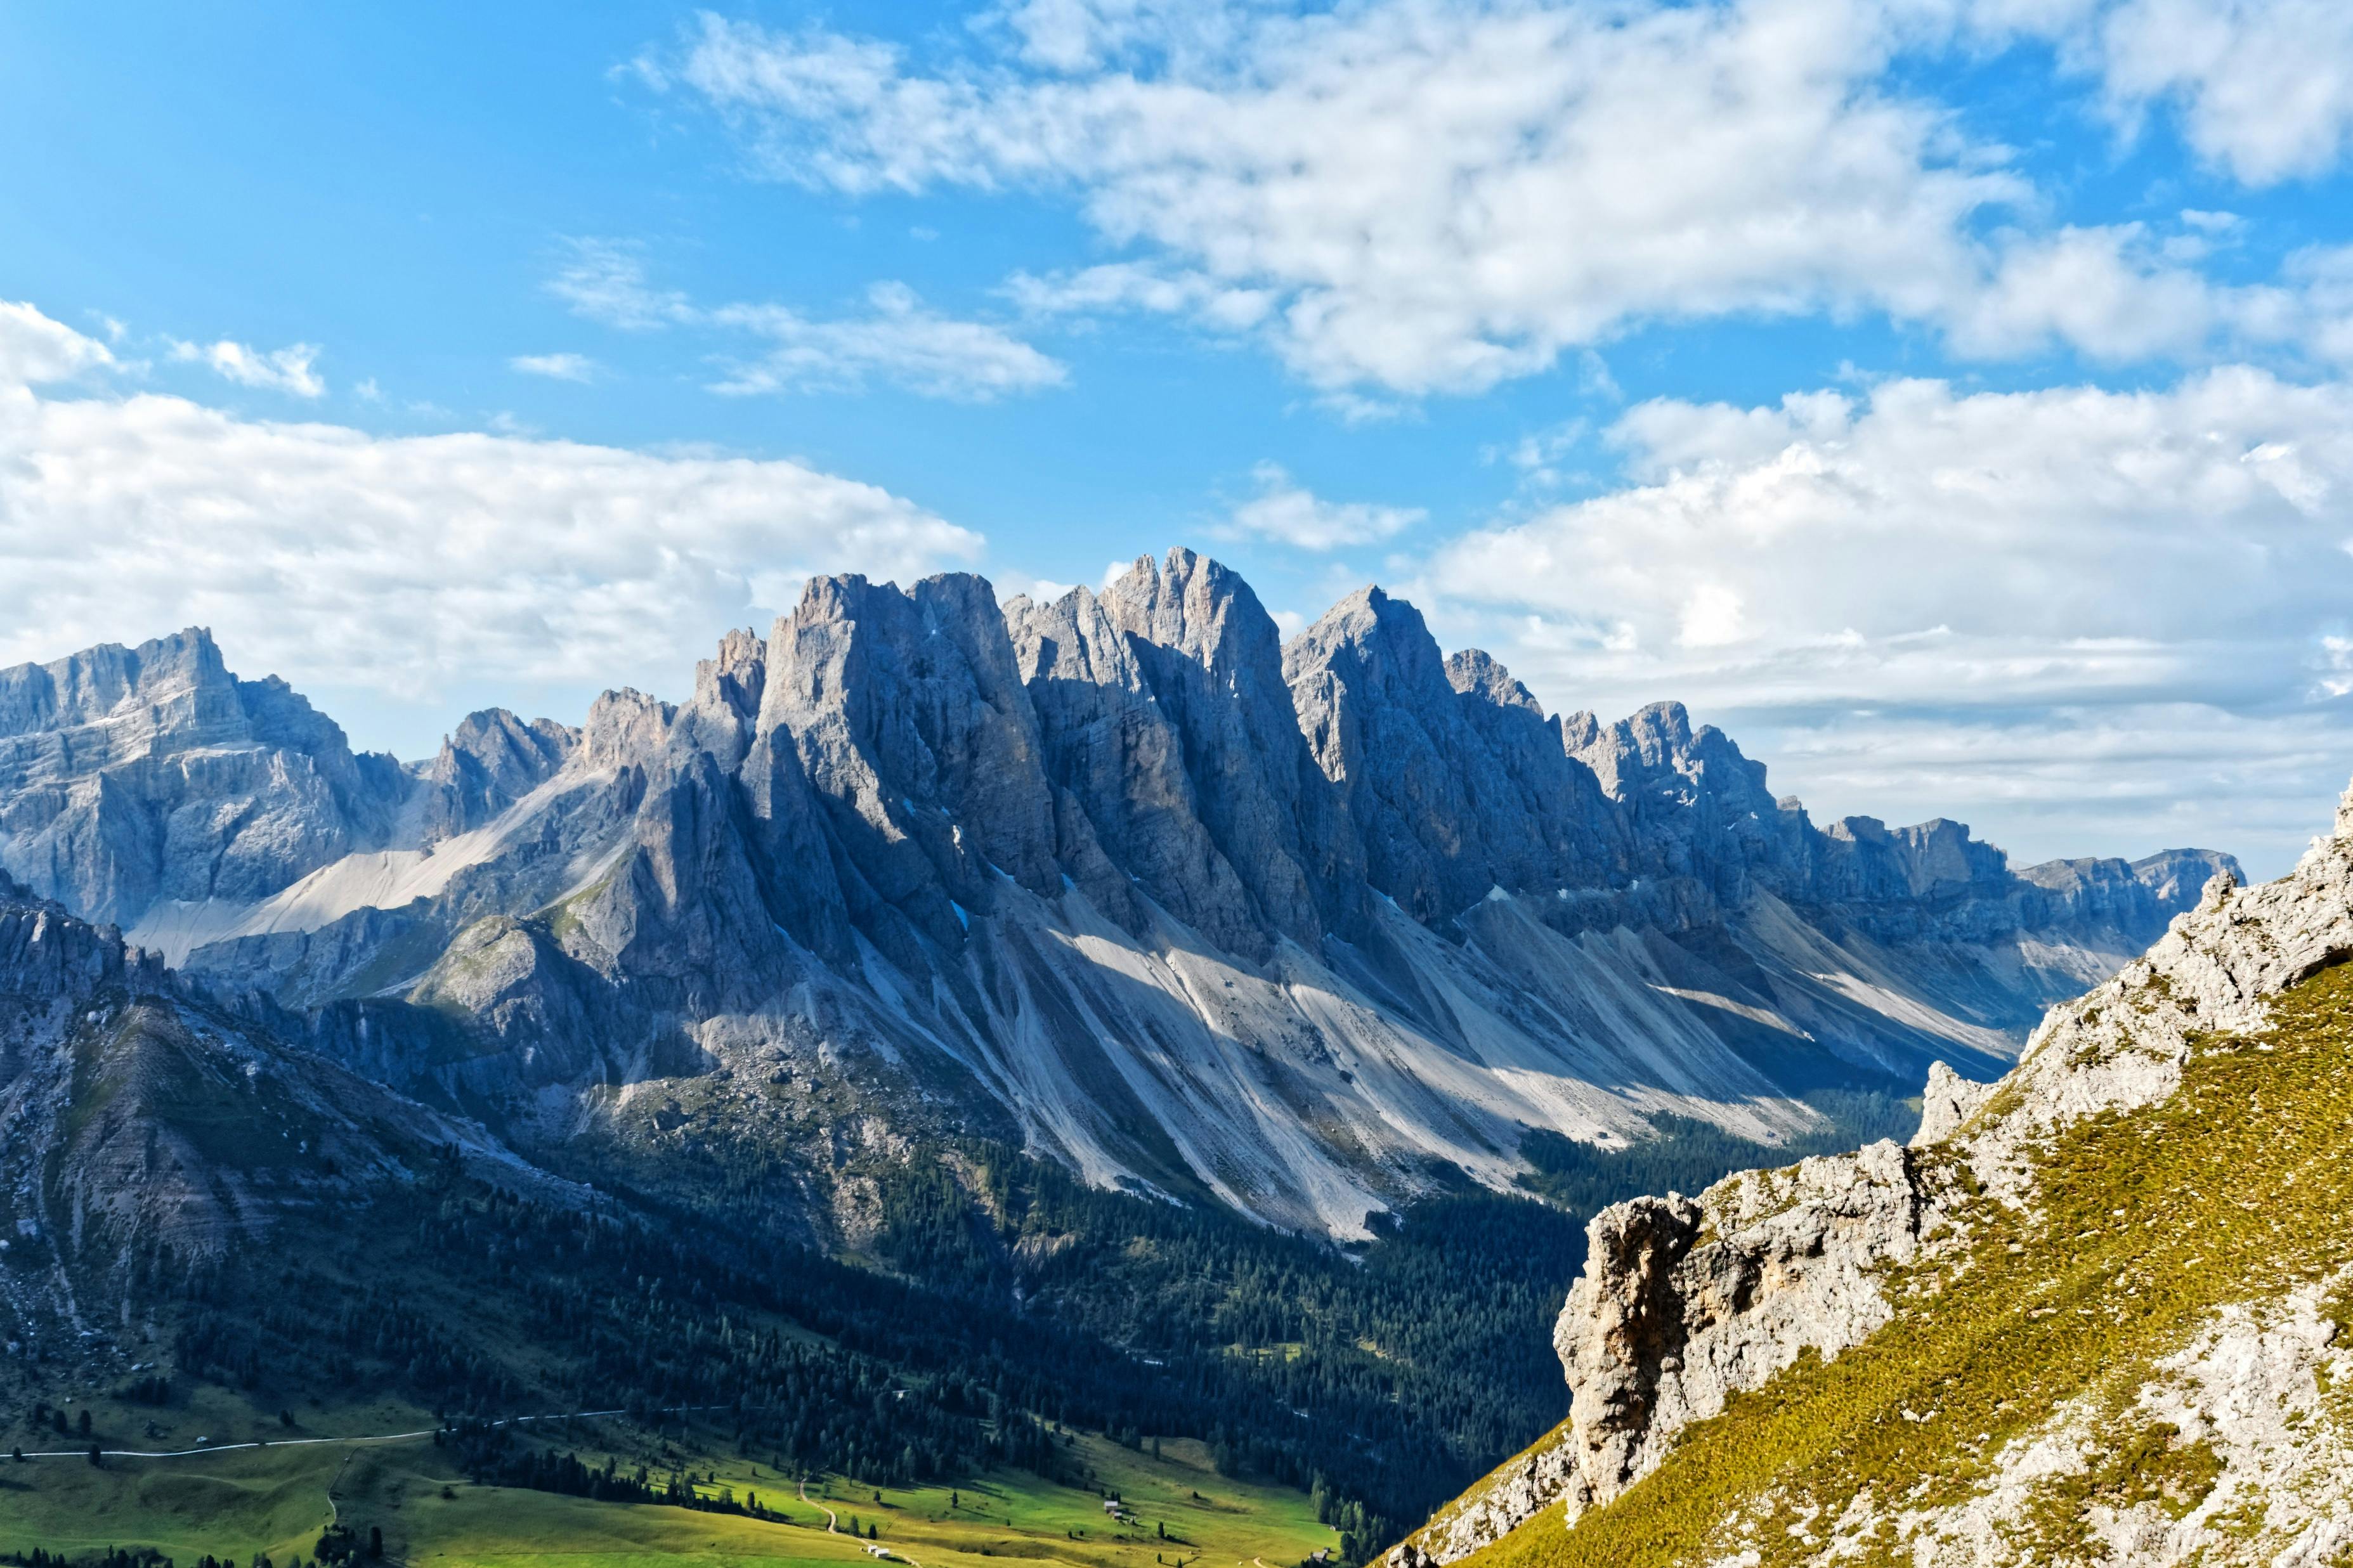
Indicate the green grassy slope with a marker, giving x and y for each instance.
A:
(2236, 1189)
(277, 1500)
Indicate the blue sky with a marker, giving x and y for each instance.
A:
(1948, 397)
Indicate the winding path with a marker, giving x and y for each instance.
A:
(832, 1525)
(315, 1442)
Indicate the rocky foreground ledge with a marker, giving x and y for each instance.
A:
(2160, 1378)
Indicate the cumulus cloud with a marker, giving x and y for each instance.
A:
(557, 366)
(403, 565)
(1866, 573)
(35, 349)
(1423, 196)
(1289, 513)
(2116, 293)
(2264, 88)
(287, 370)
(2003, 516)
(1429, 197)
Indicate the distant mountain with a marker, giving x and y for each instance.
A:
(1120, 878)
(2096, 1312)
(149, 1136)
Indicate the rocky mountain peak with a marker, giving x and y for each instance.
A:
(1443, 816)
(1475, 673)
(1213, 660)
(1288, 929)
(133, 775)
(101, 681)
(736, 679)
(2174, 876)
(489, 761)
(625, 727)
(1201, 609)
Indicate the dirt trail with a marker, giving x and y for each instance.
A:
(315, 1442)
(833, 1527)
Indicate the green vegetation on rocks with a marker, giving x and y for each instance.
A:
(2142, 1228)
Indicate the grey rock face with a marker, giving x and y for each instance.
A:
(1695, 806)
(914, 730)
(1293, 930)
(1214, 662)
(1442, 817)
(129, 775)
(493, 761)
(1584, 842)
(1126, 813)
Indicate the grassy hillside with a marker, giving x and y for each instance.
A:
(278, 1499)
(2235, 1190)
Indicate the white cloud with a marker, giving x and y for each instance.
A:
(409, 566)
(898, 339)
(1427, 196)
(605, 280)
(1289, 513)
(2264, 88)
(1078, 35)
(1124, 285)
(2111, 292)
(1869, 571)
(287, 370)
(35, 349)
(2323, 277)
(557, 366)
(2071, 519)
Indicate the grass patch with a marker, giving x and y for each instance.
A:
(269, 1499)
(1176, 1507)
(2234, 1189)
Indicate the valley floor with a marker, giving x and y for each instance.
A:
(276, 1499)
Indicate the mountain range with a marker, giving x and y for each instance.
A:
(1003, 1016)
(1122, 880)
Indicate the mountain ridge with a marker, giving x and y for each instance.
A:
(1301, 929)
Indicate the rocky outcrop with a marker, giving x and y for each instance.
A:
(1686, 1302)
(1683, 1302)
